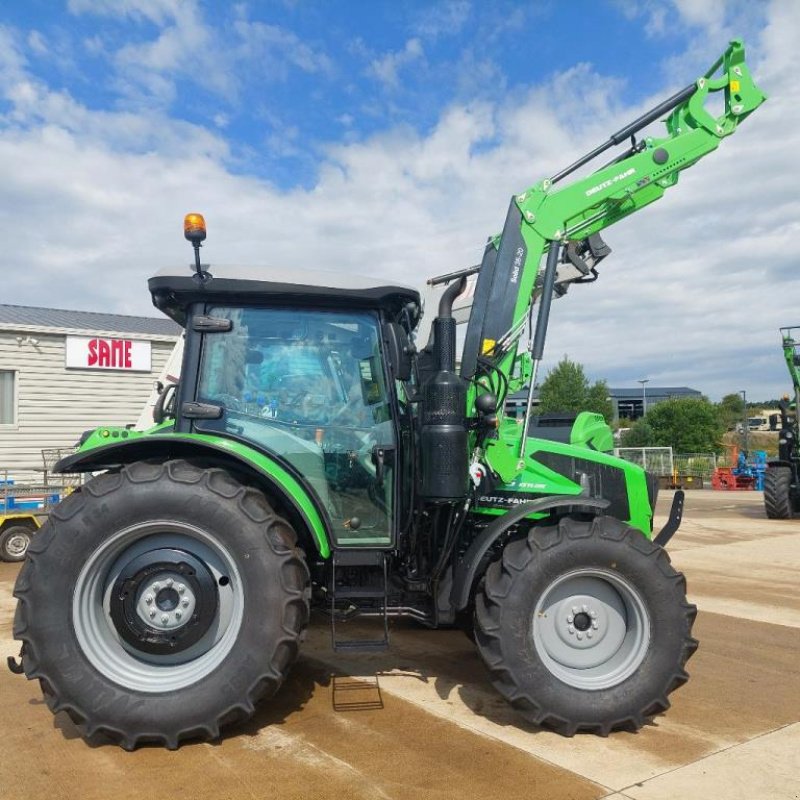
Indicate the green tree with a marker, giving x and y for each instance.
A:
(731, 410)
(566, 388)
(686, 424)
(640, 434)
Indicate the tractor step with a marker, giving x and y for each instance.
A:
(367, 559)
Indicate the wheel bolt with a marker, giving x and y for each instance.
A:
(164, 618)
(185, 602)
(152, 613)
(580, 636)
(181, 588)
(148, 599)
(588, 634)
(178, 614)
(156, 586)
(593, 614)
(595, 625)
(169, 581)
(571, 629)
(570, 618)
(584, 609)
(574, 610)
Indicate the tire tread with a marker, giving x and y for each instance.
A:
(279, 536)
(496, 587)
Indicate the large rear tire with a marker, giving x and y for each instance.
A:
(585, 626)
(777, 492)
(160, 603)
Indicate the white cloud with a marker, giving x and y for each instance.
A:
(694, 293)
(387, 67)
(187, 47)
(156, 11)
(37, 43)
(443, 19)
(275, 50)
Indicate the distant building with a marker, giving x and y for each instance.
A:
(629, 403)
(63, 372)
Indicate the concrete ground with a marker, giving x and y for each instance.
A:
(421, 721)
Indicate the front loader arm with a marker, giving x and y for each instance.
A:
(642, 174)
(563, 220)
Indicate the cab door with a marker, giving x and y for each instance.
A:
(308, 386)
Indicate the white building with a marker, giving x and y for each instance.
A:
(63, 372)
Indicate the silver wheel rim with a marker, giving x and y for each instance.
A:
(121, 662)
(17, 545)
(591, 629)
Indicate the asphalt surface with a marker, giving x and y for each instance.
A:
(421, 720)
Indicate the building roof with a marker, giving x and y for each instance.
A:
(654, 391)
(33, 317)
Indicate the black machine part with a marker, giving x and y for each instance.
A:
(398, 350)
(443, 438)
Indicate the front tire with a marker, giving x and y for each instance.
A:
(585, 626)
(777, 493)
(160, 603)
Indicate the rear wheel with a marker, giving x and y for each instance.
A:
(777, 492)
(168, 599)
(585, 626)
(14, 542)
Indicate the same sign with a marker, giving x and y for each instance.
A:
(128, 355)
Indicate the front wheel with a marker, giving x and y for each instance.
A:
(585, 626)
(167, 600)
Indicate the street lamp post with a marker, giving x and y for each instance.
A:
(644, 381)
(746, 428)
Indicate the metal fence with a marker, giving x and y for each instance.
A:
(662, 461)
(657, 460)
(699, 465)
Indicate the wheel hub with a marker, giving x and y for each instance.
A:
(590, 628)
(166, 601)
(163, 601)
(17, 544)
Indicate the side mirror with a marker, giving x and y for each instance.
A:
(398, 350)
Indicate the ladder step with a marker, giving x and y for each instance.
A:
(368, 559)
(346, 593)
(361, 644)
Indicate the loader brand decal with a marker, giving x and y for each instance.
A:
(126, 355)
(519, 257)
(504, 500)
(610, 182)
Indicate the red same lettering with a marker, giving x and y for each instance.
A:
(111, 353)
(116, 353)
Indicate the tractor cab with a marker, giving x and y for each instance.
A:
(304, 372)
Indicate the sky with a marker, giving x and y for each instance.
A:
(386, 139)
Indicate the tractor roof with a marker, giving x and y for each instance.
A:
(173, 290)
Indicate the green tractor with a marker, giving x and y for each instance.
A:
(782, 476)
(318, 454)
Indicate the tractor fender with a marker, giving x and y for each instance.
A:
(467, 569)
(777, 462)
(268, 471)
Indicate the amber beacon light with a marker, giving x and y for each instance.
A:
(194, 227)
